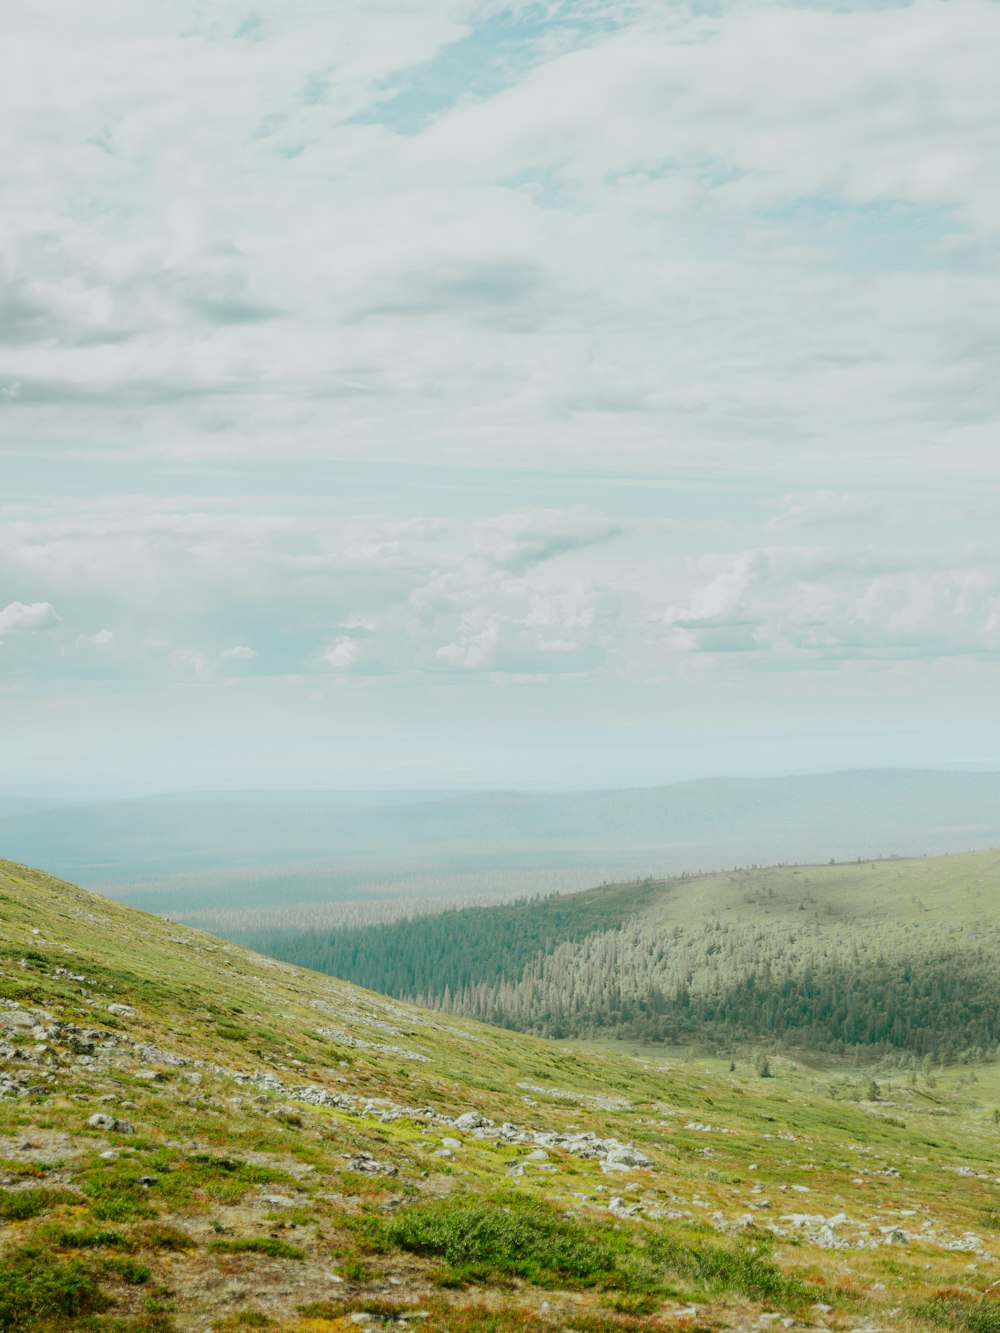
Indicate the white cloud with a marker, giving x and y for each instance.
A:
(796, 604)
(342, 655)
(27, 618)
(241, 653)
(189, 662)
(99, 640)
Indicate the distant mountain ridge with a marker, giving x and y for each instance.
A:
(317, 847)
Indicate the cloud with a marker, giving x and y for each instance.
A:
(30, 618)
(99, 640)
(797, 605)
(529, 537)
(240, 653)
(189, 662)
(761, 232)
(821, 508)
(342, 655)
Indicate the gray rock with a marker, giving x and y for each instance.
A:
(471, 1120)
(16, 1018)
(99, 1120)
(366, 1164)
(622, 1157)
(620, 1208)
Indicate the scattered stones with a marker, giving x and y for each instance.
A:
(612, 1153)
(366, 1164)
(122, 1010)
(359, 1043)
(11, 1087)
(600, 1101)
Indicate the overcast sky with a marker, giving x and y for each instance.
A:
(437, 392)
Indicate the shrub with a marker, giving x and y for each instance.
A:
(511, 1236)
(126, 1269)
(36, 1289)
(163, 1236)
(82, 1237)
(20, 1205)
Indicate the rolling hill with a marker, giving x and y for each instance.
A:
(897, 958)
(195, 1137)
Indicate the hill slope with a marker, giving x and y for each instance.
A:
(894, 957)
(196, 1137)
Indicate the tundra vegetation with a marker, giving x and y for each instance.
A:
(194, 1137)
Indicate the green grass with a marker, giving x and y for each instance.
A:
(961, 1312)
(745, 1269)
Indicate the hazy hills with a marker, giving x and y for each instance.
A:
(898, 958)
(226, 852)
(196, 1137)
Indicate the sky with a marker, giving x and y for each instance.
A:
(455, 393)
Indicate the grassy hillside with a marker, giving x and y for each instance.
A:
(193, 1137)
(897, 958)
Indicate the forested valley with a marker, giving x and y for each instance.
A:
(895, 958)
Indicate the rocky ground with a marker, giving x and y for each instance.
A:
(194, 1138)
